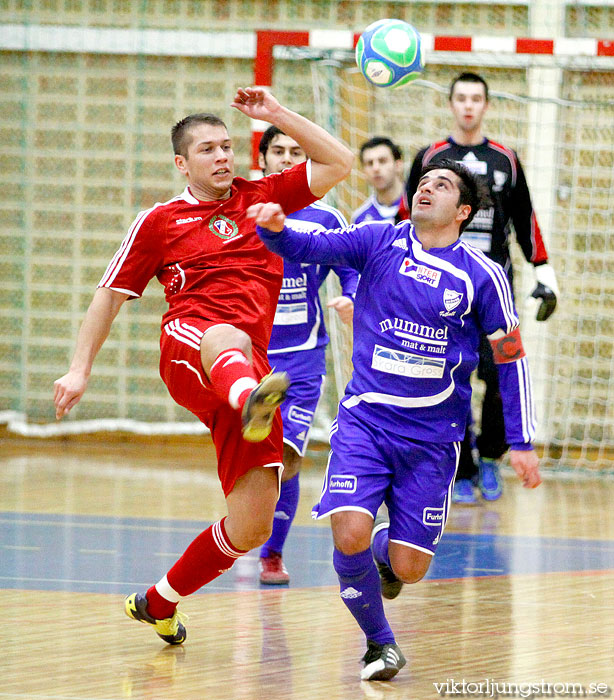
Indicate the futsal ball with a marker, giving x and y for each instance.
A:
(389, 53)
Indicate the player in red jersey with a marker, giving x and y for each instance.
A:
(221, 285)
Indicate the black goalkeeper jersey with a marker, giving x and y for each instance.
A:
(511, 202)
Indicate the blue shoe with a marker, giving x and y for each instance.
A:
(463, 492)
(490, 482)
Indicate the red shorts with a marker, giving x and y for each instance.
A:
(182, 371)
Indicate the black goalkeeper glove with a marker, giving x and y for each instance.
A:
(546, 291)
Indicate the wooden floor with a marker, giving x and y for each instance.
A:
(299, 642)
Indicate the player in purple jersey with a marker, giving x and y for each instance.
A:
(298, 344)
(423, 300)
(382, 163)
(490, 231)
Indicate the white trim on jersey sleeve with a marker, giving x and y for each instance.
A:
(308, 172)
(527, 406)
(120, 256)
(123, 291)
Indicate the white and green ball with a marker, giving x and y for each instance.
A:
(389, 53)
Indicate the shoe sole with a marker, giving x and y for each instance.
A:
(275, 582)
(468, 502)
(281, 578)
(490, 494)
(382, 674)
(260, 407)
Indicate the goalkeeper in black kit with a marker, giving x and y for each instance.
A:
(489, 231)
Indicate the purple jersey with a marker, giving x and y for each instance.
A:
(299, 337)
(372, 210)
(417, 322)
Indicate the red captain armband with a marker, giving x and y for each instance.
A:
(506, 348)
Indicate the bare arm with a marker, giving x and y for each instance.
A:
(68, 390)
(331, 161)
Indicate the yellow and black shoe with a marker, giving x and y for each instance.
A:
(171, 629)
(259, 409)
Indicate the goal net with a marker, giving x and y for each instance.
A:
(558, 115)
(85, 112)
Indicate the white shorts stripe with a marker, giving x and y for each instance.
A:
(318, 516)
(181, 338)
(190, 367)
(188, 331)
(197, 332)
(414, 546)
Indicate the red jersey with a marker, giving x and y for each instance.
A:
(208, 256)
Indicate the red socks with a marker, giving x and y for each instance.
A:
(208, 556)
(232, 377)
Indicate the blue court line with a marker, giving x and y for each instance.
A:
(100, 554)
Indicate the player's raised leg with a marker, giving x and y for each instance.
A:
(226, 355)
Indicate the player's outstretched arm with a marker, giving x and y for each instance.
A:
(331, 161)
(526, 464)
(68, 390)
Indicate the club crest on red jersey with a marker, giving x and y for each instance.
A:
(223, 227)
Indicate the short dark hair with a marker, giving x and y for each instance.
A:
(180, 133)
(396, 151)
(469, 78)
(472, 189)
(267, 137)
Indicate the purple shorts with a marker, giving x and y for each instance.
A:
(369, 466)
(298, 409)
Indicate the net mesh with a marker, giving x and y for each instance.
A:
(85, 145)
